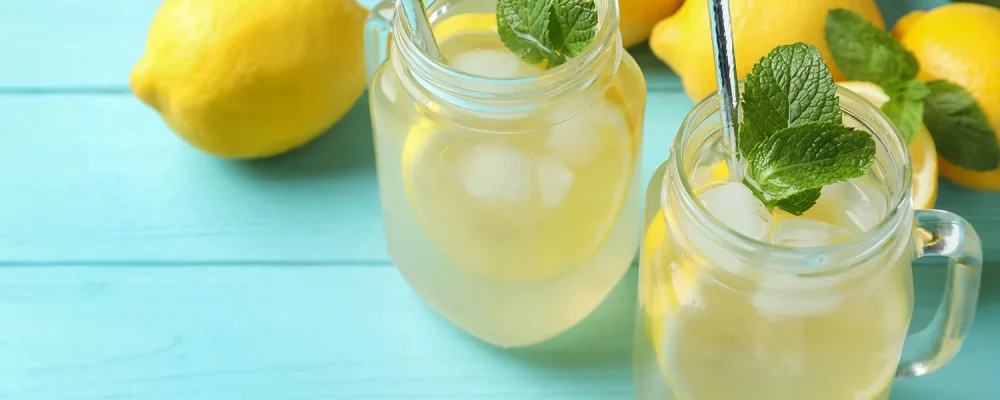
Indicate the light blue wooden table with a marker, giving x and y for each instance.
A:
(134, 267)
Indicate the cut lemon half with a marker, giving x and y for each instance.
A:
(520, 206)
(923, 153)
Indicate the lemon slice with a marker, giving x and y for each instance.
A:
(924, 160)
(664, 282)
(520, 206)
(923, 153)
(464, 23)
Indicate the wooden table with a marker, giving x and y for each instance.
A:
(135, 267)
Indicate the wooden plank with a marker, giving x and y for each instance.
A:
(333, 332)
(101, 179)
(659, 77)
(72, 43)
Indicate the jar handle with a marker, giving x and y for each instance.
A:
(378, 27)
(941, 233)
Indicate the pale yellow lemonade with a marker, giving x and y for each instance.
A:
(514, 226)
(717, 328)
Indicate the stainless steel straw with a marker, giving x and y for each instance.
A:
(416, 17)
(725, 73)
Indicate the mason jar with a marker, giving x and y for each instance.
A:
(814, 307)
(509, 192)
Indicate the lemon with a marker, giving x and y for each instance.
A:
(637, 18)
(923, 153)
(252, 78)
(683, 40)
(960, 42)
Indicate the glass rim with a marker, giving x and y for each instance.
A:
(431, 71)
(863, 246)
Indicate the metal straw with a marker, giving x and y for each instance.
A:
(416, 17)
(725, 73)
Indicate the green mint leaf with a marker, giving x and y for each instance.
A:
(863, 52)
(790, 86)
(906, 107)
(799, 203)
(961, 132)
(557, 33)
(577, 21)
(552, 30)
(810, 156)
(796, 204)
(524, 29)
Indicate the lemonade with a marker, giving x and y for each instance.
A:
(739, 301)
(511, 210)
(717, 328)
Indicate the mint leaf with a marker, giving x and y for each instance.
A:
(790, 86)
(863, 52)
(524, 29)
(577, 26)
(792, 135)
(809, 156)
(796, 204)
(961, 132)
(546, 30)
(799, 203)
(906, 107)
(557, 33)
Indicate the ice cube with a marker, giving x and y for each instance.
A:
(554, 180)
(803, 232)
(776, 305)
(575, 140)
(500, 64)
(784, 295)
(496, 172)
(576, 133)
(863, 203)
(734, 205)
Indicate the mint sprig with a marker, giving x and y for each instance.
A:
(546, 30)
(792, 136)
(960, 130)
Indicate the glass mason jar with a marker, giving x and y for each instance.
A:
(511, 204)
(787, 315)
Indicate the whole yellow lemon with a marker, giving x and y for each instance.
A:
(683, 40)
(252, 78)
(961, 43)
(639, 16)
